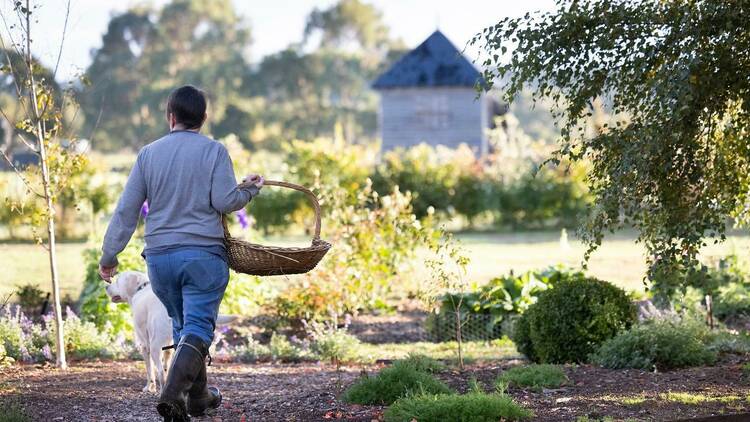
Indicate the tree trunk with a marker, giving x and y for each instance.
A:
(459, 339)
(51, 243)
(60, 346)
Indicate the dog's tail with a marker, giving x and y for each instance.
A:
(225, 319)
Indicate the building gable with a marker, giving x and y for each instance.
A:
(434, 63)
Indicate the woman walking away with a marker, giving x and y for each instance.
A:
(188, 181)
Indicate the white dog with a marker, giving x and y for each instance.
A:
(153, 326)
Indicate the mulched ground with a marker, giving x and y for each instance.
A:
(402, 327)
(111, 391)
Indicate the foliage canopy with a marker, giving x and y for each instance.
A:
(673, 161)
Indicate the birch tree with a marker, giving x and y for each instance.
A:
(33, 121)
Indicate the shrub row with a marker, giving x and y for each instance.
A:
(588, 320)
(450, 182)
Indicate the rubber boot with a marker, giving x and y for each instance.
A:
(187, 362)
(202, 397)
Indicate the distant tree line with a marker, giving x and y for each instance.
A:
(301, 92)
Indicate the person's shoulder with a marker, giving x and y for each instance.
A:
(156, 143)
(214, 145)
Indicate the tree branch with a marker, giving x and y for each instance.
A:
(59, 56)
(62, 40)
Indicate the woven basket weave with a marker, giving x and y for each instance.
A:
(250, 258)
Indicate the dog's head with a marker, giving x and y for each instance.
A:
(125, 286)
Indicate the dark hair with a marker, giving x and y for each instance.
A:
(188, 105)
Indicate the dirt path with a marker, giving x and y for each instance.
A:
(111, 391)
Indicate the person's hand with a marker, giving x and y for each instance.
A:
(254, 179)
(106, 273)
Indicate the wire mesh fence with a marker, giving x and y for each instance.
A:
(443, 326)
(408, 327)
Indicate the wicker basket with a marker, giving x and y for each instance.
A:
(250, 258)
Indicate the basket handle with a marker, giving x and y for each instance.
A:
(311, 196)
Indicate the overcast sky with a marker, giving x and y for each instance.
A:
(274, 23)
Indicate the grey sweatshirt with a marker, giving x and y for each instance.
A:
(189, 182)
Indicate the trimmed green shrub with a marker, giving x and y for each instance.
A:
(471, 407)
(522, 338)
(392, 383)
(534, 376)
(658, 344)
(570, 321)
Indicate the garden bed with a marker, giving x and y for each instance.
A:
(111, 391)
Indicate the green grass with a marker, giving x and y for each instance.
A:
(12, 412)
(633, 401)
(534, 376)
(470, 407)
(686, 398)
(693, 399)
(392, 383)
(619, 260)
(29, 264)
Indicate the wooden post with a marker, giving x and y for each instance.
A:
(709, 312)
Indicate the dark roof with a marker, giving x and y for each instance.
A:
(435, 62)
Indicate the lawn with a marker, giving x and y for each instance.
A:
(28, 264)
(619, 260)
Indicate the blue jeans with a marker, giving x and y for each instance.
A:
(190, 283)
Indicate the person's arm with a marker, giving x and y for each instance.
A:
(125, 218)
(226, 197)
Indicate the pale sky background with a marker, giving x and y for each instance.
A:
(274, 23)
